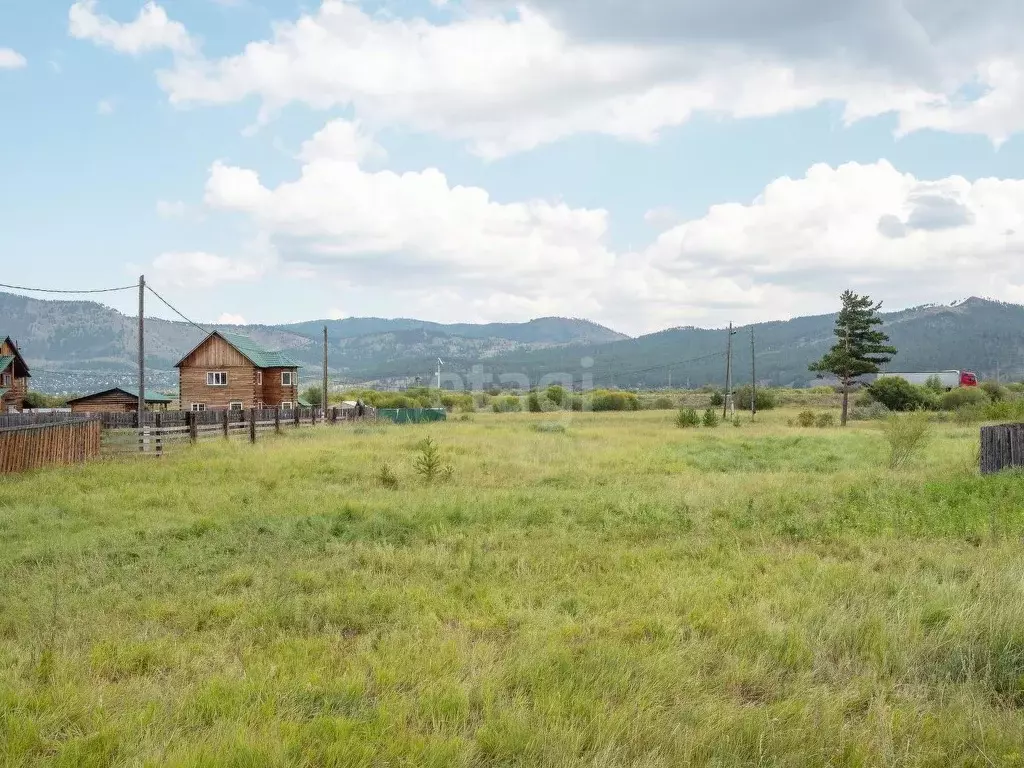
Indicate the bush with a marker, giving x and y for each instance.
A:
(555, 394)
(898, 394)
(533, 403)
(956, 399)
(806, 419)
(386, 476)
(663, 404)
(934, 383)
(507, 404)
(996, 392)
(968, 414)
(606, 400)
(576, 404)
(313, 396)
(825, 420)
(863, 399)
(463, 403)
(765, 398)
(907, 435)
(687, 418)
(717, 399)
(550, 427)
(710, 418)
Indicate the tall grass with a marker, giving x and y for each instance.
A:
(627, 593)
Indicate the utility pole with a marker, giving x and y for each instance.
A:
(142, 354)
(727, 408)
(753, 376)
(323, 398)
(670, 377)
(440, 362)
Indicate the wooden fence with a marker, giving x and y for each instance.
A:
(165, 431)
(32, 446)
(1002, 447)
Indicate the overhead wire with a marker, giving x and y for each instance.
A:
(176, 311)
(72, 291)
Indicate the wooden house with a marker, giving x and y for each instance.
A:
(14, 377)
(118, 400)
(231, 372)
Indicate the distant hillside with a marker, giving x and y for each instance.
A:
(980, 335)
(80, 346)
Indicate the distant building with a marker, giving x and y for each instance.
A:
(118, 400)
(231, 372)
(14, 377)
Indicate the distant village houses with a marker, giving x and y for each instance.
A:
(14, 376)
(231, 372)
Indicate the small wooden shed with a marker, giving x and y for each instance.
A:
(118, 400)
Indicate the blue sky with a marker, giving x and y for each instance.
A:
(473, 161)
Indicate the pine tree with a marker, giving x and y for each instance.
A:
(861, 348)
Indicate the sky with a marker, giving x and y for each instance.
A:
(641, 163)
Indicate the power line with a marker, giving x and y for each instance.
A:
(76, 291)
(175, 310)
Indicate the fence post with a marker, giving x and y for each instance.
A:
(277, 420)
(226, 417)
(158, 441)
(297, 413)
(252, 425)
(190, 422)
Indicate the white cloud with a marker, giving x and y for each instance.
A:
(509, 82)
(226, 318)
(170, 209)
(197, 269)
(151, 30)
(105, 107)
(336, 314)
(453, 253)
(11, 59)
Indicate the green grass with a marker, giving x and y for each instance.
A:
(611, 592)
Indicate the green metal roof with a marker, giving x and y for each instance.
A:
(303, 403)
(6, 360)
(260, 357)
(151, 397)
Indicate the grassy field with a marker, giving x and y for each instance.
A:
(593, 590)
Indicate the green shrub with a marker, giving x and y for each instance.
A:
(429, 465)
(609, 400)
(576, 404)
(463, 403)
(966, 415)
(710, 418)
(825, 420)
(934, 383)
(507, 404)
(871, 412)
(386, 476)
(717, 399)
(765, 398)
(806, 419)
(663, 404)
(687, 418)
(863, 399)
(907, 435)
(1007, 410)
(550, 427)
(996, 392)
(533, 403)
(898, 394)
(963, 396)
(555, 394)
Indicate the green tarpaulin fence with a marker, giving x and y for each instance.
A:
(412, 415)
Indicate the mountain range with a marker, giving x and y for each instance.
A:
(79, 346)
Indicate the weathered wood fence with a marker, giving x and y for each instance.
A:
(32, 446)
(1002, 447)
(161, 432)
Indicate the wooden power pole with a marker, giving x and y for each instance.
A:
(142, 352)
(323, 398)
(753, 376)
(727, 406)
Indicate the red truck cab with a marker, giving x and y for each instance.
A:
(968, 379)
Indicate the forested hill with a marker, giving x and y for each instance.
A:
(977, 334)
(79, 346)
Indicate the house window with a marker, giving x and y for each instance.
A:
(287, 378)
(286, 406)
(198, 406)
(259, 378)
(217, 379)
(5, 380)
(235, 406)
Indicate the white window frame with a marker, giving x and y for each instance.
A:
(286, 405)
(259, 378)
(233, 403)
(213, 376)
(197, 407)
(290, 376)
